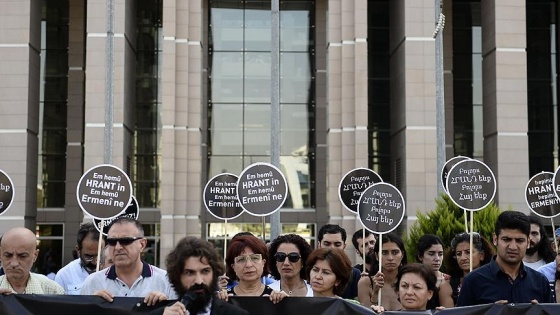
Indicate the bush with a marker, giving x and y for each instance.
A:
(446, 221)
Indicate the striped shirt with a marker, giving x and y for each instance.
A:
(151, 279)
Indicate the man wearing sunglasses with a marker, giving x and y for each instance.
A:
(129, 275)
(72, 276)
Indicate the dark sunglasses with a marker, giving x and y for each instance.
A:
(292, 257)
(122, 240)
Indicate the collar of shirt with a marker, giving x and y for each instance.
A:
(497, 271)
(146, 271)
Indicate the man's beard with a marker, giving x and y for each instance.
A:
(202, 298)
(533, 249)
(369, 256)
(89, 267)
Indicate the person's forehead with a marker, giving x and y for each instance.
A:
(196, 263)
(332, 237)
(390, 246)
(370, 238)
(288, 248)
(512, 233)
(535, 227)
(123, 230)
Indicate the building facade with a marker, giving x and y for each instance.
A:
(190, 98)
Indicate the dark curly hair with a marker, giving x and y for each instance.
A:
(390, 237)
(302, 245)
(192, 247)
(481, 244)
(339, 262)
(424, 243)
(236, 247)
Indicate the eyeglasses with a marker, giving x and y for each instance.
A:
(292, 257)
(124, 241)
(243, 259)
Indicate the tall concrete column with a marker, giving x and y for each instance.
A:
(347, 80)
(20, 47)
(505, 128)
(181, 120)
(413, 104)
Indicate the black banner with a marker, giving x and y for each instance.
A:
(31, 304)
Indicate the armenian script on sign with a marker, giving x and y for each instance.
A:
(472, 184)
(382, 203)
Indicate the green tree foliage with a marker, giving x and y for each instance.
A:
(446, 221)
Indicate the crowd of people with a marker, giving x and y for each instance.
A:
(520, 267)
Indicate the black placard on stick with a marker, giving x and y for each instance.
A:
(471, 185)
(220, 197)
(381, 208)
(540, 196)
(7, 192)
(353, 184)
(261, 189)
(132, 211)
(104, 191)
(448, 165)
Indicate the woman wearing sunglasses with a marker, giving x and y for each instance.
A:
(289, 254)
(246, 259)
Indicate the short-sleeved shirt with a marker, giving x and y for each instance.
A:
(489, 284)
(71, 277)
(548, 270)
(37, 284)
(151, 279)
(276, 286)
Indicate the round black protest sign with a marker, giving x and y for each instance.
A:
(447, 167)
(6, 192)
(261, 189)
(353, 184)
(104, 191)
(220, 197)
(540, 196)
(132, 211)
(471, 185)
(381, 208)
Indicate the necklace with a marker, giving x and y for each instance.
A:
(290, 292)
(254, 292)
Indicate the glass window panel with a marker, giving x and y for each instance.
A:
(147, 193)
(294, 30)
(56, 62)
(226, 129)
(54, 142)
(226, 28)
(56, 89)
(53, 194)
(226, 77)
(257, 26)
(224, 164)
(54, 115)
(257, 77)
(54, 168)
(50, 256)
(296, 170)
(295, 77)
(256, 132)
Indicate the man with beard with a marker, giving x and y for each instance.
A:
(360, 244)
(539, 252)
(505, 279)
(193, 268)
(72, 276)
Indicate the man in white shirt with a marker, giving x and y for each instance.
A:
(72, 276)
(129, 275)
(539, 252)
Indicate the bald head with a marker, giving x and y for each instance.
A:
(18, 251)
(21, 236)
